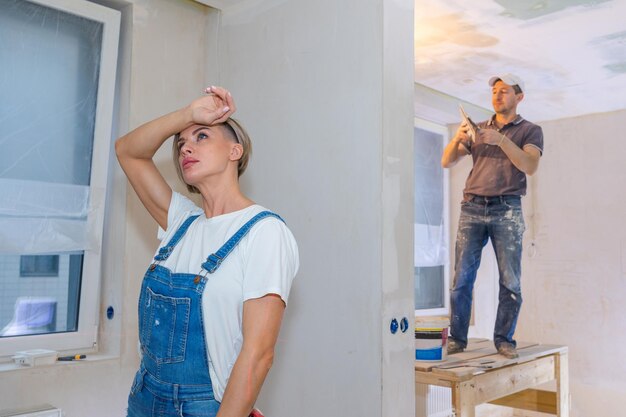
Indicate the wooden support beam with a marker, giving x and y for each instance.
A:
(463, 400)
(562, 384)
(511, 379)
(530, 399)
(430, 379)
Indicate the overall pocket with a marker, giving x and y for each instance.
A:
(164, 326)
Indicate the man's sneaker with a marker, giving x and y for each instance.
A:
(507, 350)
(454, 347)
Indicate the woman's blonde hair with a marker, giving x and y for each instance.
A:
(233, 130)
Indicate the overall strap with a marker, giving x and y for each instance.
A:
(215, 259)
(166, 250)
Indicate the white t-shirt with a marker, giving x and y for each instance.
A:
(264, 262)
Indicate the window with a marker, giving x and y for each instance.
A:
(58, 83)
(39, 266)
(431, 258)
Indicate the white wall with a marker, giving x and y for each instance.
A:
(575, 285)
(573, 279)
(167, 68)
(325, 89)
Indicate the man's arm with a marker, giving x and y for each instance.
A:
(525, 159)
(455, 150)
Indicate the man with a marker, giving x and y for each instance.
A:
(506, 149)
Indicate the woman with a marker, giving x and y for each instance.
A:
(212, 300)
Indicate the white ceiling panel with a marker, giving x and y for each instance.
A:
(570, 53)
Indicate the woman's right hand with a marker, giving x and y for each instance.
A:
(214, 108)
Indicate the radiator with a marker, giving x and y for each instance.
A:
(41, 411)
(433, 401)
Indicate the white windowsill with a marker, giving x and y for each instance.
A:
(12, 366)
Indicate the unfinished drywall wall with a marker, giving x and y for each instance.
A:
(325, 89)
(166, 46)
(574, 283)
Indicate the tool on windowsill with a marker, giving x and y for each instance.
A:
(71, 358)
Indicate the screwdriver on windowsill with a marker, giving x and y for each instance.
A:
(71, 358)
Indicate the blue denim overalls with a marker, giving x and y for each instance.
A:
(173, 378)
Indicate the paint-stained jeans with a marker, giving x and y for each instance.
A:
(500, 220)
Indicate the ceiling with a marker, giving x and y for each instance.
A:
(571, 54)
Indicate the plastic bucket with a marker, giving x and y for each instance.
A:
(431, 338)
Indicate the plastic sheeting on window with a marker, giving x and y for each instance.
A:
(430, 248)
(431, 245)
(49, 83)
(39, 217)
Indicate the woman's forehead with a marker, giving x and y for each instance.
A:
(193, 130)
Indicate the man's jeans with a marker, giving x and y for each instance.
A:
(499, 219)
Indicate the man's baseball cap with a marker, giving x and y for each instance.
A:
(510, 79)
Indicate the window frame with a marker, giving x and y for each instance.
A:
(85, 337)
(445, 134)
